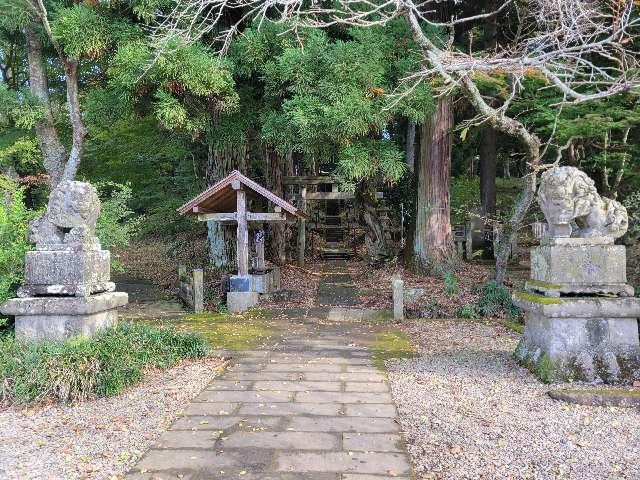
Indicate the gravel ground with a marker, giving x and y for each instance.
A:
(471, 412)
(98, 439)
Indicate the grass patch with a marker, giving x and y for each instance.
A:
(82, 368)
(229, 332)
(391, 344)
(514, 326)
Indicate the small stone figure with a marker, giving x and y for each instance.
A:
(568, 195)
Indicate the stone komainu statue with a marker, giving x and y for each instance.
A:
(70, 221)
(573, 208)
(67, 259)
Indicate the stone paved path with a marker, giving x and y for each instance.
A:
(336, 287)
(312, 407)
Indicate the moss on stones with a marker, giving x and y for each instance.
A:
(540, 299)
(229, 332)
(391, 344)
(545, 285)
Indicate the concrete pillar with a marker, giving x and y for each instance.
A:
(397, 285)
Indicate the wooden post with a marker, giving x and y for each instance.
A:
(302, 240)
(198, 290)
(259, 240)
(242, 234)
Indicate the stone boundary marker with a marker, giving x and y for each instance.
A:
(320, 414)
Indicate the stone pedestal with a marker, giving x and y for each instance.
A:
(66, 272)
(60, 318)
(238, 302)
(579, 266)
(593, 339)
(245, 290)
(266, 282)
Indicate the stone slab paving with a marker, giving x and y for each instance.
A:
(314, 408)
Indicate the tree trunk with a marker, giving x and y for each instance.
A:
(432, 242)
(79, 132)
(217, 235)
(276, 229)
(53, 151)
(410, 145)
(378, 248)
(488, 155)
(488, 162)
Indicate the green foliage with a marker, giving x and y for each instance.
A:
(188, 85)
(87, 31)
(82, 368)
(155, 163)
(117, 223)
(632, 204)
(495, 299)
(450, 284)
(14, 218)
(469, 311)
(597, 128)
(330, 98)
(465, 195)
(544, 369)
(23, 152)
(366, 158)
(18, 108)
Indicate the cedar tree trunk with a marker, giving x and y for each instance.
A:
(432, 242)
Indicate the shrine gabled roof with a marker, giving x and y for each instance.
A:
(221, 197)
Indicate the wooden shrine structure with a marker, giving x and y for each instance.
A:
(227, 202)
(334, 227)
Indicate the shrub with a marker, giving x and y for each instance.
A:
(117, 224)
(632, 204)
(495, 299)
(14, 219)
(469, 311)
(82, 368)
(450, 284)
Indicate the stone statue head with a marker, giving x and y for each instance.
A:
(74, 204)
(568, 198)
(70, 221)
